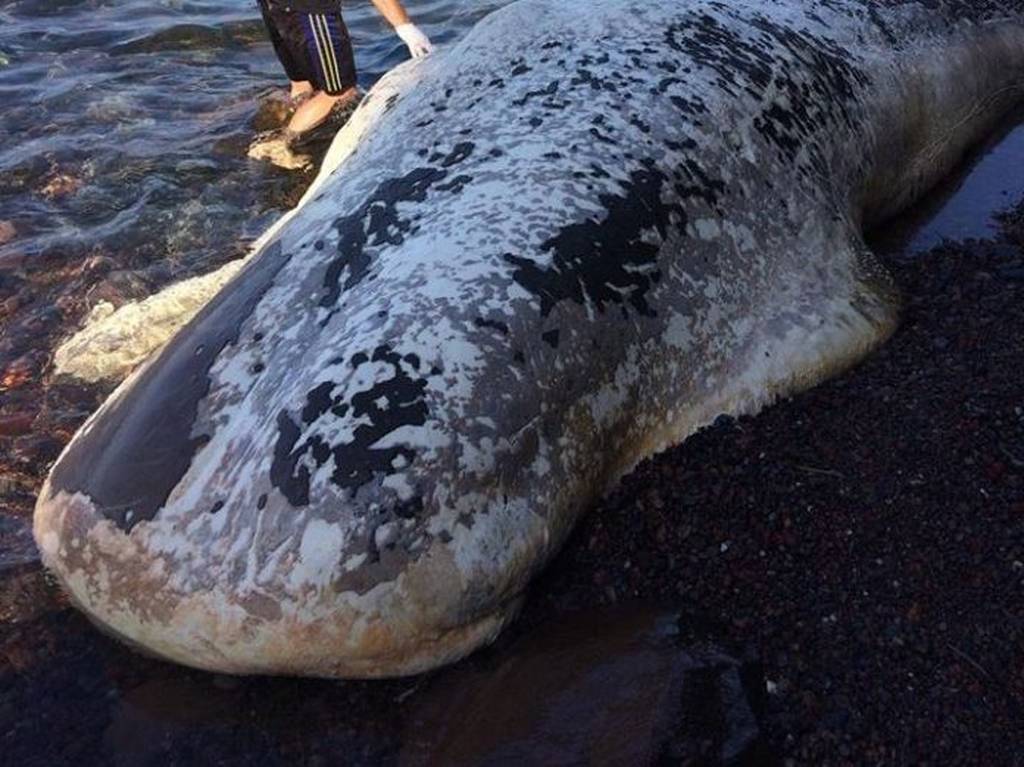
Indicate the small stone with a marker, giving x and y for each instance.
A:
(10, 305)
(7, 232)
(61, 185)
(18, 373)
(98, 265)
(16, 425)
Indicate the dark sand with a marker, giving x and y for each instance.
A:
(864, 540)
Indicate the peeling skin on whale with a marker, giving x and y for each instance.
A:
(359, 454)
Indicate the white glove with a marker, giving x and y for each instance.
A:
(419, 43)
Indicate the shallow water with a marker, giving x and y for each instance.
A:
(962, 207)
(124, 123)
(123, 168)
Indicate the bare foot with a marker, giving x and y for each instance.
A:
(316, 109)
(300, 90)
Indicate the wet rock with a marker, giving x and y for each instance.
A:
(615, 686)
(97, 265)
(15, 425)
(61, 185)
(20, 372)
(7, 232)
(119, 287)
(272, 112)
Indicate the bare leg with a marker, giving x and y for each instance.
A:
(301, 88)
(315, 110)
(276, 146)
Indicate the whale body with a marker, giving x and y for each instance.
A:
(557, 248)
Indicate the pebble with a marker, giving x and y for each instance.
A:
(19, 373)
(61, 185)
(16, 425)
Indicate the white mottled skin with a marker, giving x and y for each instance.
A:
(767, 292)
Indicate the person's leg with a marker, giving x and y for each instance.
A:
(301, 89)
(320, 46)
(331, 65)
(294, 67)
(314, 110)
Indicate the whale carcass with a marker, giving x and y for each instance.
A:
(558, 247)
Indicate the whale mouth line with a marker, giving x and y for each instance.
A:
(146, 452)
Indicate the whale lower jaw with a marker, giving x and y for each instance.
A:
(215, 631)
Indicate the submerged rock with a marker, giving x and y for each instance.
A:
(7, 232)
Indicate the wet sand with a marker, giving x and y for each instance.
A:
(860, 547)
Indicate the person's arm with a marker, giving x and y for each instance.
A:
(417, 42)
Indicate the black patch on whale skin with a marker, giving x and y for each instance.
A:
(376, 223)
(137, 452)
(456, 185)
(519, 67)
(756, 55)
(301, 448)
(588, 78)
(498, 325)
(460, 153)
(550, 90)
(608, 261)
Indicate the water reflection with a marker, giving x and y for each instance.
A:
(962, 206)
(625, 685)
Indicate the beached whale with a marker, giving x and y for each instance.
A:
(558, 247)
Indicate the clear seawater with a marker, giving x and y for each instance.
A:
(124, 123)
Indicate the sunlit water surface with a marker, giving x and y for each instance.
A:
(124, 122)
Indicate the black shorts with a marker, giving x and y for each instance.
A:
(311, 46)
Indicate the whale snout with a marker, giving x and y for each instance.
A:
(276, 589)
